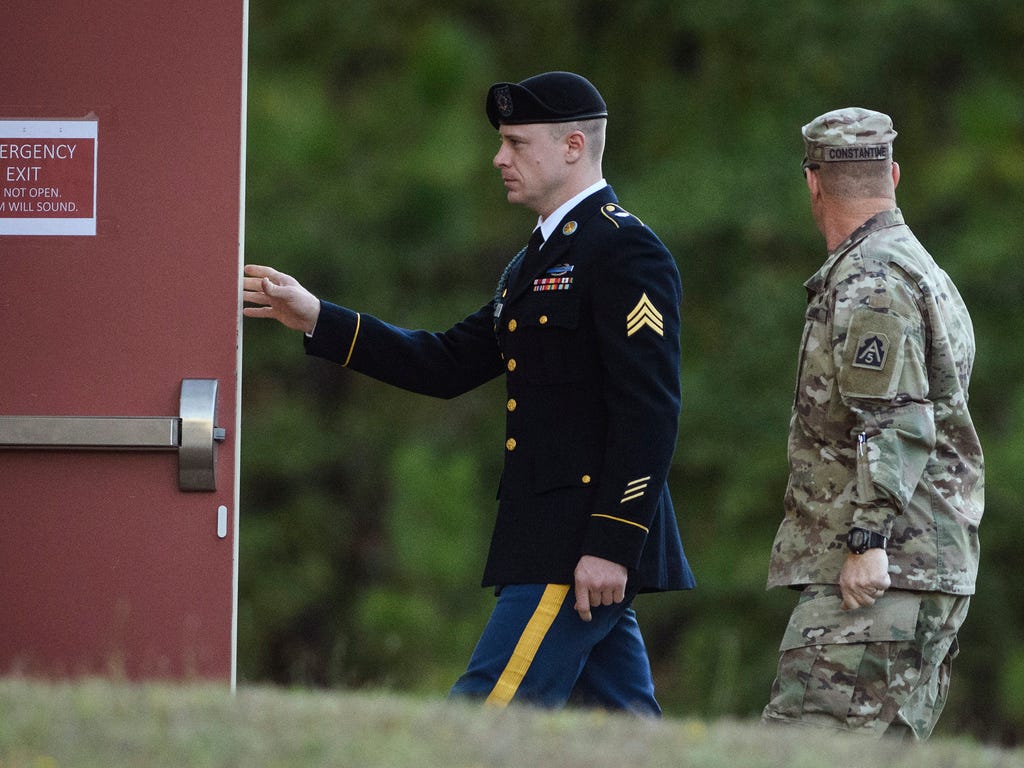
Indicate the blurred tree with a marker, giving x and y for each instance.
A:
(366, 511)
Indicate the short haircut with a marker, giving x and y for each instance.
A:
(594, 130)
(864, 179)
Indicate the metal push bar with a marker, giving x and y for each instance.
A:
(192, 434)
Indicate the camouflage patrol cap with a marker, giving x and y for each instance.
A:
(848, 135)
(552, 97)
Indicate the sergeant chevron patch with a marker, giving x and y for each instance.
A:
(645, 314)
(635, 489)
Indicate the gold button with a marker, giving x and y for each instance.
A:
(511, 365)
(586, 479)
(512, 325)
(511, 404)
(511, 443)
(543, 319)
(504, 293)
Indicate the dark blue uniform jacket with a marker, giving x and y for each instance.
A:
(587, 334)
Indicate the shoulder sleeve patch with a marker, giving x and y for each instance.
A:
(872, 355)
(617, 215)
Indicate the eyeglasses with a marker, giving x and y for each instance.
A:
(808, 165)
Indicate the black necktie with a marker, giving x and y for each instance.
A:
(524, 263)
(531, 256)
(536, 241)
(519, 266)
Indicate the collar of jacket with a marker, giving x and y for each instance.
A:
(519, 280)
(882, 220)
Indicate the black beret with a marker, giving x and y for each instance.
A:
(553, 97)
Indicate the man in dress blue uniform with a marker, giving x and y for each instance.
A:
(584, 325)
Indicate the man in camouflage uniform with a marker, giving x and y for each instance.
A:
(886, 480)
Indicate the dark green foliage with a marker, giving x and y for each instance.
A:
(366, 511)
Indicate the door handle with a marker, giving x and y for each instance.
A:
(192, 434)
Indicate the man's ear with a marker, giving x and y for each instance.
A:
(575, 144)
(813, 182)
(895, 174)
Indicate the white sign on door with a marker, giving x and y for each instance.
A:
(48, 177)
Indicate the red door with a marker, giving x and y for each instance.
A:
(119, 300)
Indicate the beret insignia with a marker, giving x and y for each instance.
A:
(503, 100)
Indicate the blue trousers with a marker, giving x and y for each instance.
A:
(536, 649)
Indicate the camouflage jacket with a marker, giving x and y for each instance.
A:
(887, 352)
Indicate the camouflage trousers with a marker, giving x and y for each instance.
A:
(881, 670)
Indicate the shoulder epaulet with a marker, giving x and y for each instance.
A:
(618, 215)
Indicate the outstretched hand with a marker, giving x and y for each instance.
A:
(279, 297)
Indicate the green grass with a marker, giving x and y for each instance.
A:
(94, 723)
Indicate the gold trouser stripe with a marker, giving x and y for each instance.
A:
(522, 657)
(351, 349)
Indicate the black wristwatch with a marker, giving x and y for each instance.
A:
(860, 541)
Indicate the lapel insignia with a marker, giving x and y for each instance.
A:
(645, 314)
(872, 349)
(569, 228)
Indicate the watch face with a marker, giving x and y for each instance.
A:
(860, 541)
(857, 541)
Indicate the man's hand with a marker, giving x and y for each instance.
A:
(598, 582)
(281, 298)
(864, 578)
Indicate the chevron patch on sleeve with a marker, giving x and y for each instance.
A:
(645, 314)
